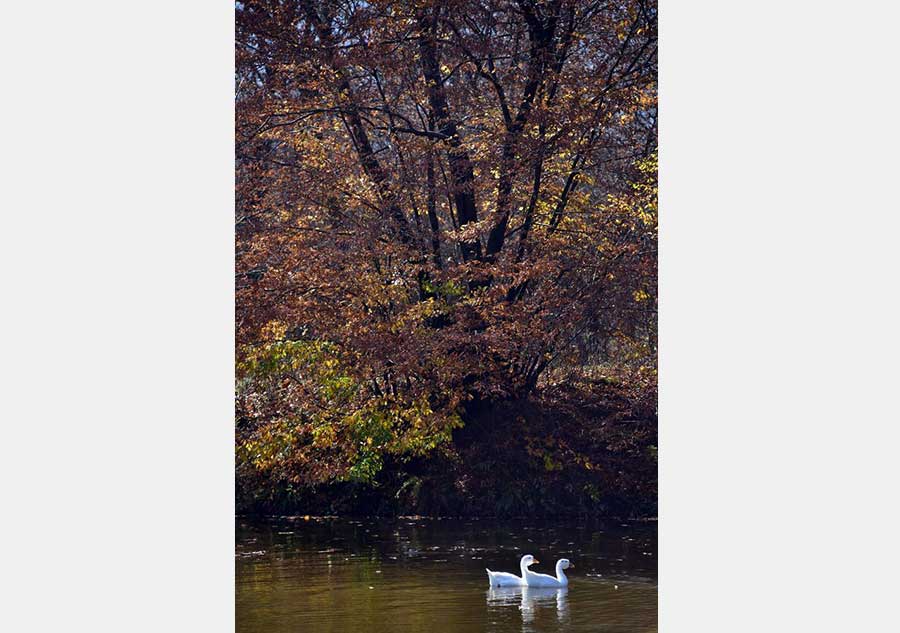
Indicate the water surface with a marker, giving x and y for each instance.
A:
(428, 574)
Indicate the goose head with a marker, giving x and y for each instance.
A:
(561, 565)
(527, 561)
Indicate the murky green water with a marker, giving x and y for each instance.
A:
(346, 575)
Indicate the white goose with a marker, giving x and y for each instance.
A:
(505, 579)
(533, 579)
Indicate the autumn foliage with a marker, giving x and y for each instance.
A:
(446, 255)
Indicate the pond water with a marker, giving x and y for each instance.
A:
(306, 574)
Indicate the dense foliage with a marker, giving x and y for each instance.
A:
(446, 255)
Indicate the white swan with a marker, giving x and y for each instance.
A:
(533, 579)
(505, 579)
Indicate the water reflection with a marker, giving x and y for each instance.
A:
(317, 575)
(529, 599)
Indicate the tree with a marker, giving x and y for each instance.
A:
(440, 206)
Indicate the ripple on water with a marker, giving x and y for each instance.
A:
(425, 575)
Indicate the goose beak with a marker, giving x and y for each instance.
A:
(536, 561)
(571, 564)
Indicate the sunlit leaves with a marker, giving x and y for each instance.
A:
(358, 349)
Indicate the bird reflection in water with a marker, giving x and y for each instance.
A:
(529, 599)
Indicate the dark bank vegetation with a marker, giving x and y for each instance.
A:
(446, 257)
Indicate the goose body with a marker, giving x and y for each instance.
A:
(505, 579)
(533, 579)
